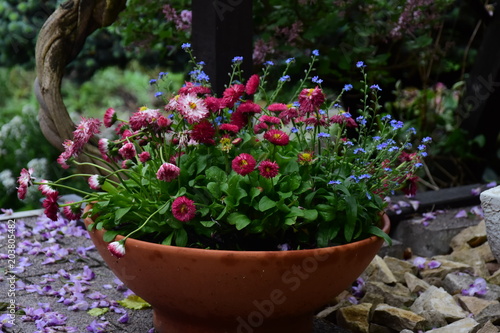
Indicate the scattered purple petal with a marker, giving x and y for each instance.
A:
(461, 214)
(433, 264)
(476, 191)
(479, 287)
(491, 184)
(478, 211)
(419, 262)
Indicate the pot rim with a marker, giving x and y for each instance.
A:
(152, 246)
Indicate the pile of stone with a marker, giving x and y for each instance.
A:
(458, 292)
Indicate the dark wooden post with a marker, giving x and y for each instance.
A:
(222, 30)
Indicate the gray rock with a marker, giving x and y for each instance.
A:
(490, 313)
(397, 295)
(438, 307)
(490, 202)
(397, 319)
(414, 284)
(355, 317)
(466, 325)
(400, 267)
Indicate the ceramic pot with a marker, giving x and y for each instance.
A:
(217, 291)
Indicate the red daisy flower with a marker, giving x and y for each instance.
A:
(239, 119)
(168, 172)
(164, 122)
(277, 107)
(196, 89)
(72, 212)
(270, 119)
(232, 94)
(288, 115)
(117, 248)
(214, 104)
(277, 137)
(203, 132)
(268, 169)
(183, 209)
(248, 107)
(260, 127)
(51, 206)
(252, 84)
(229, 128)
(25, 180)
(109, 117)
(243, 164)
(311, 99)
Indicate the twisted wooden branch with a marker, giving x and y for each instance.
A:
(60, 40)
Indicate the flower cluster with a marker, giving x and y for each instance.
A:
(244, 170)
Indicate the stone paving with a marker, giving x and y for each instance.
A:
(62, 285)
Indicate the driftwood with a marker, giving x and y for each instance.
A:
(59, 42)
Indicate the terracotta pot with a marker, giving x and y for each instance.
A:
(216, 291)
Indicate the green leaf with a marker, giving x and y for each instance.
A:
(110, 235)
(120, 212)
(239, 220)
(265, 203)
(373, 230)
(214, 189)
(310, 214)
(168, 239)
(215, 174)
(181, 237)
(351, 215)
(96, 312)
(208, 224)
(134, 302)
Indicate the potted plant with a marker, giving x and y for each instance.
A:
(240, 212)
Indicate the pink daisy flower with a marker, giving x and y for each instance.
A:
(117, 248)
(72, 212)
(168, 172)
(127, 151)
(21, 192)
(268, 169)
(96, 181)
(109, 117)
(243, 164)
(26, 178)
(144, 118)
(144, 156)
(277, 137)
(183, 209)
(103, 146)
(252, 84)
(192, 108)
(45, 187)
(87, 128)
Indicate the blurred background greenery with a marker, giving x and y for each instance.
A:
(419, 51)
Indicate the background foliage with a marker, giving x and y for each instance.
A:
(418, 51)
